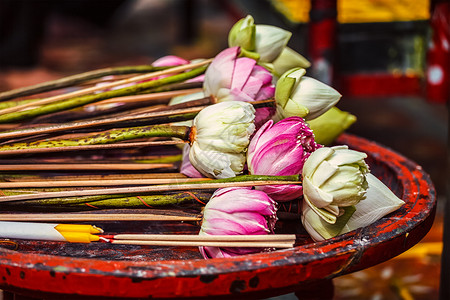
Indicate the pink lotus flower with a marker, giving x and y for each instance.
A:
(230, 77)
(237, 211)
(281, 149)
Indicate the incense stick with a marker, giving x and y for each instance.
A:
(104, 87)
(206, 238)
(143, 189)
(206, 244)
(145, 97)
(76, 166)
(82, 217)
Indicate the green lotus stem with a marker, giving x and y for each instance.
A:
(8, 104)
(161, 159)
(107, 137)
(243, 178)
(86, 99)
(149, 201)
(76, 79)
(110, 201)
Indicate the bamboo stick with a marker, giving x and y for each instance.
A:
(206, 244)
(90, 98)
(206, 238)
(92, 166)
(104, 87)
(83, 183)
(146, 97)
(213, 184)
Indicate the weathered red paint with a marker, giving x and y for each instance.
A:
(103, 270)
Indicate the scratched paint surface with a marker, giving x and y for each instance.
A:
(167, 272)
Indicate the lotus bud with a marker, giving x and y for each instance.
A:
(334, 177)
(237, 211)
(220, 137)
(302, 96)
(287, 60)
(266, 40)
(281, 150)
(328, 126)
(379, 202)
(242, 34)
(230, 77)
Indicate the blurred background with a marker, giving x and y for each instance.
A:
(389, 60)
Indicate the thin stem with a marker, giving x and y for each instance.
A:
(81, 167)
(86, 99)
(26, 150)
(90, 90)
(212, 184)
(28, 177)
(76, 79)
(165, 114)
(82, 217)
(117, 182)
(109, 201)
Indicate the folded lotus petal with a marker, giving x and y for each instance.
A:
(315, 195)
(270, 41)
(239, 200)
(186, 167)
(266, 92)
(380, 201)
(242, 70)
(289, 59)
(262, 74)
(252, 87)
(220, 72)
(237, 95)
(316, 96)
(276, 159)
(312, 163)
(237, 211)
(211, 163)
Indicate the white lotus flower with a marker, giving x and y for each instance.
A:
(379, 202)
(221, 135)
(334, 177)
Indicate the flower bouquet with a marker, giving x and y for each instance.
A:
(232, 143)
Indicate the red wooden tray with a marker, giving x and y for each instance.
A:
(56, 270)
